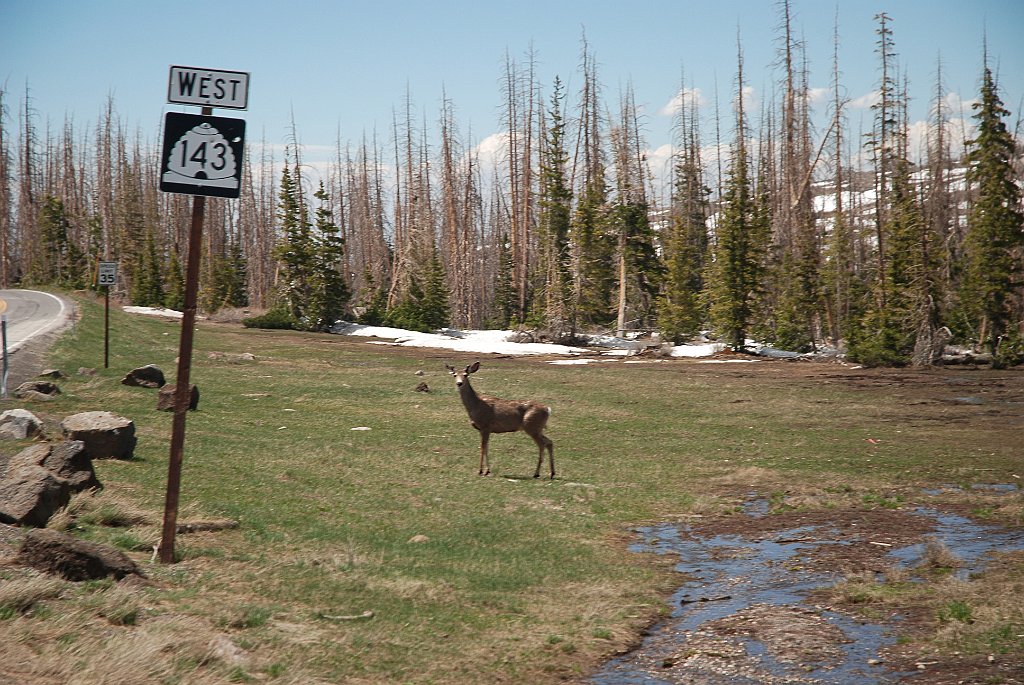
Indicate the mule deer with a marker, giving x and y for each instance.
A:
(492, 415)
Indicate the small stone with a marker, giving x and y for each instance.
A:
(417, 539)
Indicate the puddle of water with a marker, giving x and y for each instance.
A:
(756, 507)
(730, 574)
(999, 488)
(968, 541)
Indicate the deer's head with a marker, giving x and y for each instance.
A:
(460, 376)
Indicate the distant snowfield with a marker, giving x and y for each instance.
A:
(501, 342)
(489, 342)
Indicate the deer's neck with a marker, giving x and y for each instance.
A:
(470, 400)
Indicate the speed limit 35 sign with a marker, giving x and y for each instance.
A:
(202, 155)
(107, 274)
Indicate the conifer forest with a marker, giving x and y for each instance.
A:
(796, 235)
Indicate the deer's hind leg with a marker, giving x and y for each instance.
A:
(544, 442)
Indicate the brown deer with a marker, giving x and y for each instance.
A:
(492, 415)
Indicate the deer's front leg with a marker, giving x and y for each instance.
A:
(485, 464)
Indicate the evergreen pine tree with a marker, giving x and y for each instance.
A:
(505, 296)
(435, 311)
(643, 266)
(736, 270)
(328, 292)
(995, 234)
(148, 287)
(59, 260)
(595, 247)
(236, 292)
(295, 253)
(554, 220)
(175, 293)
(680, 310)
(735, 274)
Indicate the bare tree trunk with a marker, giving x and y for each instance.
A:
(5, 197)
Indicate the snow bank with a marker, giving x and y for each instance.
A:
(154, 311)
(480, 342)
(486, 342)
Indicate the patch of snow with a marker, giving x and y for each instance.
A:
(480, 342)
(702, 350)
(154, 311)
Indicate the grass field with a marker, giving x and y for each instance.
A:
(379, 555)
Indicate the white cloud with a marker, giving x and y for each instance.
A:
(866, 101)
(750, 101)
(817, 95)
(686, 96)
(492, 150)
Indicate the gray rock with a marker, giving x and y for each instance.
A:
(35, 390)
(165, 399)
(20, 424)
(30, 495)
(105, 435)
(148, 376)
(66, 460)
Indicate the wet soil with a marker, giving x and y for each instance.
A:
(755, 607)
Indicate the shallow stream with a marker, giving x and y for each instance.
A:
(731, 575)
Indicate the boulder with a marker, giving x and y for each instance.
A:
(20, 424)
(104, 434)
(61, 554)
(55, 374)
(148, 376)
(30, 495)
(37, 390)
(165, 398)
(66, 460)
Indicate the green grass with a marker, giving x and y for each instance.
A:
(511, 579)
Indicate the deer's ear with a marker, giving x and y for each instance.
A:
(451, 369)
(473, 368)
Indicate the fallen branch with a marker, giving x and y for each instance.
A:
(723, 598)
(197, 526)
(353, 617)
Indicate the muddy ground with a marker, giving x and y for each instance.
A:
(795, 635)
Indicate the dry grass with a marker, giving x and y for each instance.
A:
(106, 508)
(21, 595)
(938, 556)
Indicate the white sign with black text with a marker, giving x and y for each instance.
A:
(107, 274)
(208, 87)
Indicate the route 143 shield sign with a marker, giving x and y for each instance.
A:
(202, 155)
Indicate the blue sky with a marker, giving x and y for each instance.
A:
(342, 68)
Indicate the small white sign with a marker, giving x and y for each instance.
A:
(209, 87)
(108, 274)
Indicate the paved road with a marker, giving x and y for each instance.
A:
(30, 313)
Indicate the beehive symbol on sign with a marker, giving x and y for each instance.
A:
(202, 157)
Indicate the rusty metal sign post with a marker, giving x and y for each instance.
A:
(202, 161)
(106, 276)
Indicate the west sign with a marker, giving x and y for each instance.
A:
(208, 87)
